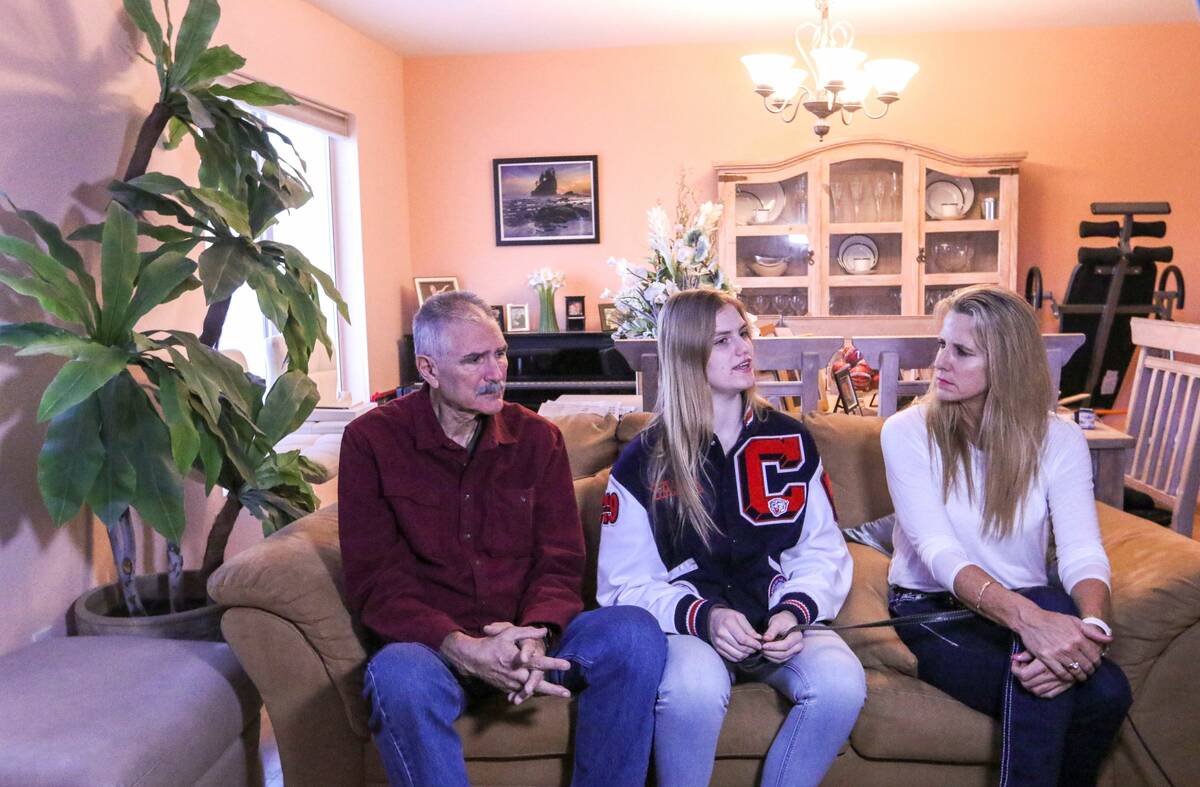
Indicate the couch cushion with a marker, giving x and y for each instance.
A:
(120, 710)
(589, 494)
(907, 719)
(591, 441)
(878, 648)
(853, 457)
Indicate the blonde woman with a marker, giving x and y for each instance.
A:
(984, 478)
(717, 520)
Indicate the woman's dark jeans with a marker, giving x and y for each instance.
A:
(1058, 741)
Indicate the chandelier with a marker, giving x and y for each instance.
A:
(840, 78)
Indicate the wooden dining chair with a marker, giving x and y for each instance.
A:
(1164, 418)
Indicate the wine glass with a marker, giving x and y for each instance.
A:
(895, 193)
(878, 190)
(838, 189)
(801, 197)
(856, 194)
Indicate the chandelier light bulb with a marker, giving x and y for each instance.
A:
(890, 75)
(766, 70)
(842, 77)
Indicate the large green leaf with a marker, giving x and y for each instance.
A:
(257, 94)
(48, 297)
(63, 252)
(70, 459)
(159, 494)
(295, 258)
(271, 301)
(232, 211)
(158, 280)
(113, 489)
(176, 129)
(158, 183)
(119, 264)
(80, 378)
(197, 111)
(289, 402)
(53, 273)
(210, 457)
(195, 31)
(223, 268)
(39, 338)
(202, 387)
(141, 200)
(143, 16)
(228, 376)
(185, 441)
(212, 63)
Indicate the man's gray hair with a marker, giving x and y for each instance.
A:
(436, 314)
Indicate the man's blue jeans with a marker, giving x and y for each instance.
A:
(1060, 741)
(617, 656)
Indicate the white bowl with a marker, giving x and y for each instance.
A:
(769, 266)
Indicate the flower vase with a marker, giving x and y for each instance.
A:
(548, 322)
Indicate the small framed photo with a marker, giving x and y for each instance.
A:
(608, 317)
(498, 313)
(576, 316)
(546, 200)
(847, 399)
(516, 317)
(427, 287)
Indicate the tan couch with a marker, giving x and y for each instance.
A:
(289, 626)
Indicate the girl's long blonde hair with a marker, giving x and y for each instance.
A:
(683, 412)
(1012, 430)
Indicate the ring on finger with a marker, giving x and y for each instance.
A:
(1073, 666)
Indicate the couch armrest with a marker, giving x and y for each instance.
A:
(296, 575)
(1156, 627)
(1155, 587)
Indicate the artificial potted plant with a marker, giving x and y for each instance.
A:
(132, 412)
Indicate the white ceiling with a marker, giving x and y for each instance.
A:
(441, 27)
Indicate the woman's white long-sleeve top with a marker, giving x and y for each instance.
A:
(936, 537)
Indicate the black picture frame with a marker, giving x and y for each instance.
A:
(498, 313)
(576, 313)
(525, 217)
(608, 317)
(847, 397)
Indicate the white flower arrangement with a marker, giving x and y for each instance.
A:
(683, 256)
(546, 280)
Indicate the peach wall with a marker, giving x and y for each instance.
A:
(1104, 113)
(71, 98)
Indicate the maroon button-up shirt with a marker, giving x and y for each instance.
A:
(436, 540)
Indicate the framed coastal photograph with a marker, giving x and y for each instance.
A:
(429, 286)
(498, 313)
(516, 317)
(546, 200)
(576, 316)
(608, 317)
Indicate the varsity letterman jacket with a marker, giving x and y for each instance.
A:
(779, 546)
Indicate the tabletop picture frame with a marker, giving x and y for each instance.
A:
(428, 286)
(608, 317)
(516, 317)
(546, 200)
(847, 397)
(576, 313)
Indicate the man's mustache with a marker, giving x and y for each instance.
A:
(490, 388)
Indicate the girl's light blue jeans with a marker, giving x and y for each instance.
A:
(824, 682)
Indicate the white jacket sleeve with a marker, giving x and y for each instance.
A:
(630, 570)
(1068, 474)
(916, 492)
(818, 566)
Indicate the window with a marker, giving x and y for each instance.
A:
(314, 229)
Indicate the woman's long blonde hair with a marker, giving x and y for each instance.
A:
(1012, 430)
(684, 410)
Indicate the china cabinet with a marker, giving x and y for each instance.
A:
(867, 227)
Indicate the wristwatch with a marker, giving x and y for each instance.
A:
(1100, 624)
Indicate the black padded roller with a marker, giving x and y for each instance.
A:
(1107, 256)
(1099, 229)
(1140, 254)
(1148, 229)
(1118, 208)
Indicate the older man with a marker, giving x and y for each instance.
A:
(463, 553)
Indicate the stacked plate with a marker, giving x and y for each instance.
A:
(948, 197)
(858, 254)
